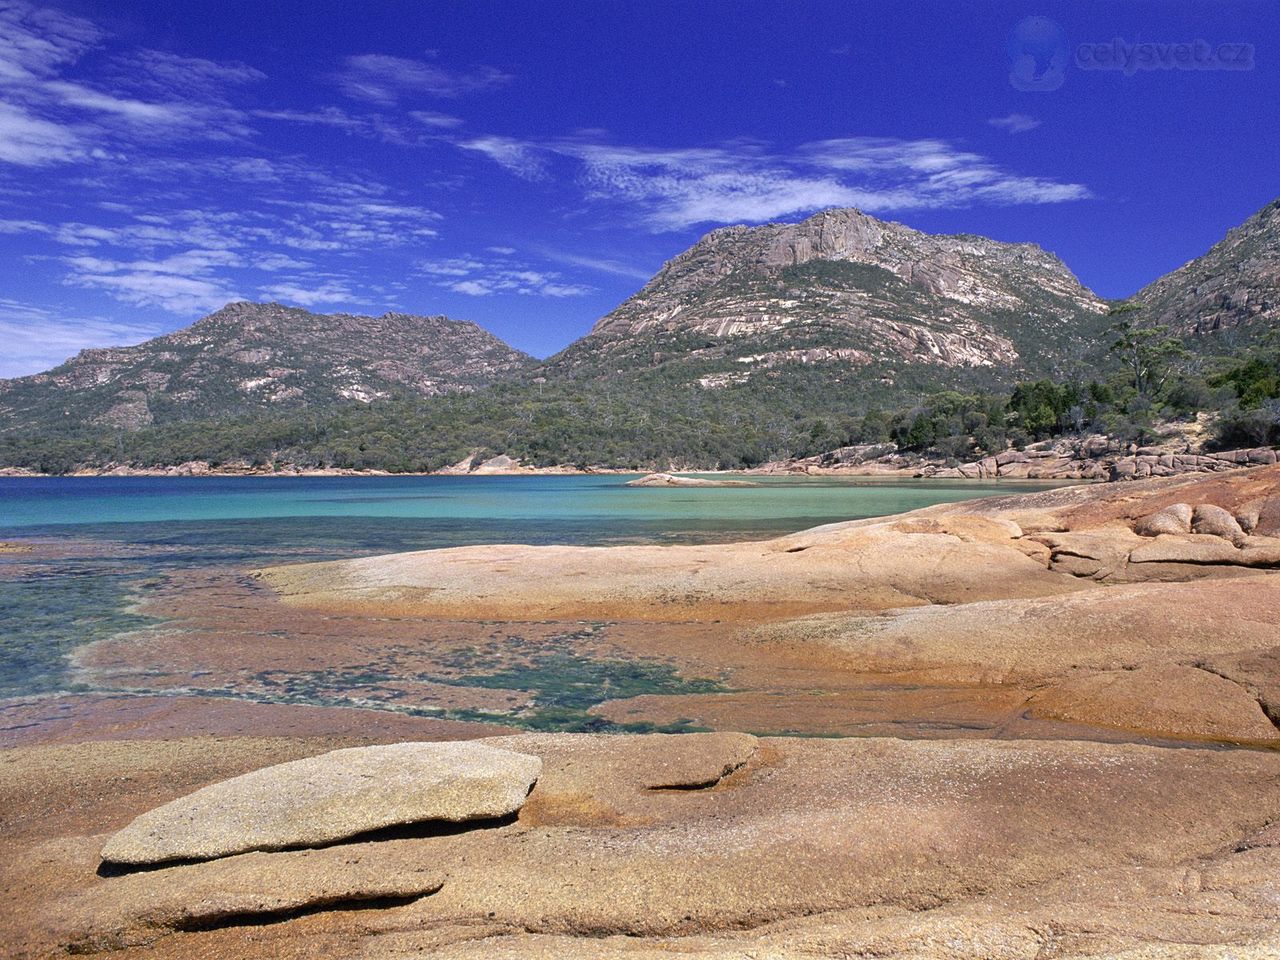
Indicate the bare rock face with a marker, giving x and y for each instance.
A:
(1249, 515)
(846, 291)
(499, 464)
(1175, 518)
(1167, 699)
(1197, 549)
(1093, 457)
(253, 887)
(318, 800)
(812, 848)
(1235, 284)
(873, 566)
(255, 356)
(1211, 519)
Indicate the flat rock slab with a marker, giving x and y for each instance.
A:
(319, 800)
(1167, 699)
(623, 779)
(253, 887)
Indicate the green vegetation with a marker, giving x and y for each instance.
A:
(1150, 355)
(1158, 381)
(656, 418)
(842, 275)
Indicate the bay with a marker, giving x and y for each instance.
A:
(82, 551)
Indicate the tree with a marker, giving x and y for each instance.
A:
(1149, 353)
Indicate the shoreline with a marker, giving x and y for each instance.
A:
(766, 478)
(986, 704)
(1076, 459)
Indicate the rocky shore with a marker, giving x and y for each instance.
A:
(1094, 457)
(1066, 743)
(494, 466)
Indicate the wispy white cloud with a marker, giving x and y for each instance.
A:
(384, 79)
(419, 129)
(272, 262)
(190, 259)
(1015, 122)
(323, 116)
(442, 121)
(24, 226)
(745, 181)
(170, 75)
(323, 292)
(147, 216)
(183, 283)
(127, 108)
(28, 141)
(311, 213)
(452, 267)
(482, 277)
(599, 264)
(36, 41)
(190, 279)
(525, 160)
(47, 118)
(36, 338)
(332, 224)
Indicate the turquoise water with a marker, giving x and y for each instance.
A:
(101, 541)
(584, 506)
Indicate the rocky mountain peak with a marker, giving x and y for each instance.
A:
(1234, 286)
(248, 356)
(842, 287)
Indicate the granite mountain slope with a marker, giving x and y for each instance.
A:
(253, 356)
(851, 292)
(779, 323)
(1232, 289)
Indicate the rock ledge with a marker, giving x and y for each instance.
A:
(334, 796)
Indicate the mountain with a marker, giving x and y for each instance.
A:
(756, 344)
(253, 356)
(1234, 287)
(853, 294)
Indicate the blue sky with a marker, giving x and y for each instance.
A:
(529, 164)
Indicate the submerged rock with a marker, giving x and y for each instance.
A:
(318, 800)
(672, 480)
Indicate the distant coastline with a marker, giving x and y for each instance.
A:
(1090, 459)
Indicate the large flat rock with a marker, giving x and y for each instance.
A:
(1033, 545)
(245, 889)
(817, 848)
(1038, 639)
(1165, 699)
(619, 779)
(319, 800)
(838, 567)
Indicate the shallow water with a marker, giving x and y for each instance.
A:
(583, 508)
(101, 544)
